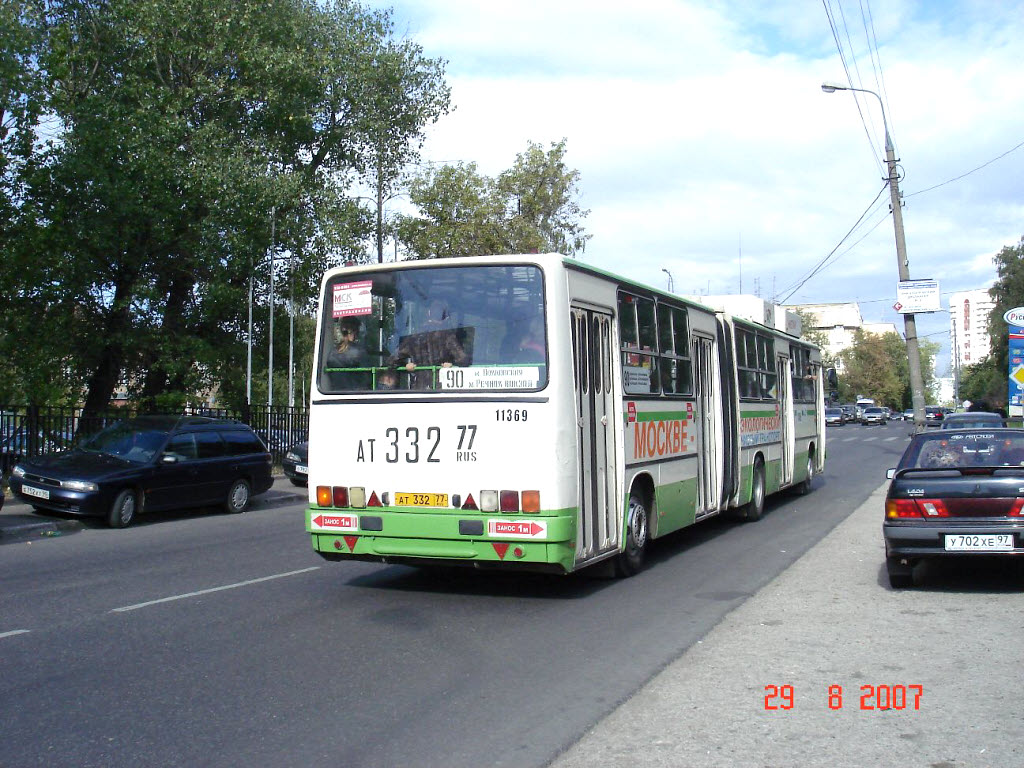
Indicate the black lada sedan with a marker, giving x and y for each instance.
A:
(148, 464)
(955, 493)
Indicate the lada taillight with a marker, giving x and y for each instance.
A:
(896, 509)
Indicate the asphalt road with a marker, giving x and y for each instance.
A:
(224, 641)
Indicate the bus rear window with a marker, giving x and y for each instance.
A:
(434, 328)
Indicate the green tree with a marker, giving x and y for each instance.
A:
(539, 193)
(984, 385)
(985, 382)
(876, 366)
(1007, 292)
(190, 132)
(531, 207)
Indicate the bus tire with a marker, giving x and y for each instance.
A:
(238, 497)
(804, 486)
(755, 507)
(631, 560)
(122, 511)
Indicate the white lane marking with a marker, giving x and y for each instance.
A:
(212, 589)
(14, 632)
(869, 439)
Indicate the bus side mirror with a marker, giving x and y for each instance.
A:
(833, 379)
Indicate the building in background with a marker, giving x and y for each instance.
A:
(969, 339)
(839, 322)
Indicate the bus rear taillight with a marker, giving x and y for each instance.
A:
(531, 501)
(509, 501)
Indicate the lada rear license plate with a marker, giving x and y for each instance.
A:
(39, 493)
(421, 499)
(972, 542)
(301, 469)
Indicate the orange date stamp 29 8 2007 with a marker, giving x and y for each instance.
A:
(872, 697)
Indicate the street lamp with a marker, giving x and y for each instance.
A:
(903, 266)
(671, 284)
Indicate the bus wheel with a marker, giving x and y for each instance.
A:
(631, 560)
(755, 508)
(805, 485)
(238, 497)
(122, 511)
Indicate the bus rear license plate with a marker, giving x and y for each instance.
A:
(968, 542)
(39, 493)
(421, 499)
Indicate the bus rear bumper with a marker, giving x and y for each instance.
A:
(530, 542)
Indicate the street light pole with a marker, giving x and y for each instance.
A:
(903, 265)
(671, 284)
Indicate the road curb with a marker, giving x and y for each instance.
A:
(19, 528)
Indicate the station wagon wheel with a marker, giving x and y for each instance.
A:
(122, 511)
(238, 497)
(631, 559)
(755, 508)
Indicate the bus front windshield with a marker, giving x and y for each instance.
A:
(434, 328)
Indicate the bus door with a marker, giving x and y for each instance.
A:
(598, 519)
(786, 426)
(706, 422)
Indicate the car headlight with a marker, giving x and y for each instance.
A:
(78, 485)
(18, 471)
(292, 457)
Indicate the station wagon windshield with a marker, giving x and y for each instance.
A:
(127, 442)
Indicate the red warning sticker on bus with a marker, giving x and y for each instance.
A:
(518, 529)
(334, 522)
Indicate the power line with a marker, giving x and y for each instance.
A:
(821, 264)
(963, 175)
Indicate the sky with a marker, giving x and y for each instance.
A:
(706, 146)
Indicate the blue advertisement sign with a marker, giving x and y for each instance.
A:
(1015, 374)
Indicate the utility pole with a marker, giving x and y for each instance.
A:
(903, 266)
(909, 321)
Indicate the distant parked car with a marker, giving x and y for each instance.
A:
(149, 464)
(835, 417)
(973, 420)
(296, 463)
(933, 415)
(888, 412)
(873, 414)
(908, 415)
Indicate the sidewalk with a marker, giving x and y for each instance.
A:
(19, 523)
(832, 620)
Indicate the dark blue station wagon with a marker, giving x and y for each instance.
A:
(149, 464)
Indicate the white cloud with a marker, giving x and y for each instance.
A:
(700, 126)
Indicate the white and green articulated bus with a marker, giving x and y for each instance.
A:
(532, 412)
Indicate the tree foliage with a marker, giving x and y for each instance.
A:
(985, 383)
(877, 366)
(194, 143)
(529, 208)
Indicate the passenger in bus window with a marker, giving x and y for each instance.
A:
(435, 344)
(531, 346)
(348, 352)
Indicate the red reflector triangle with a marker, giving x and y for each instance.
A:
(351, 541)
(501, 547)
(470, 504)
(374, 501)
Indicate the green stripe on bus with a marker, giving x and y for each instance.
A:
(663, 416)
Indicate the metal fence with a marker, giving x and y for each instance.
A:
(34, 430)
